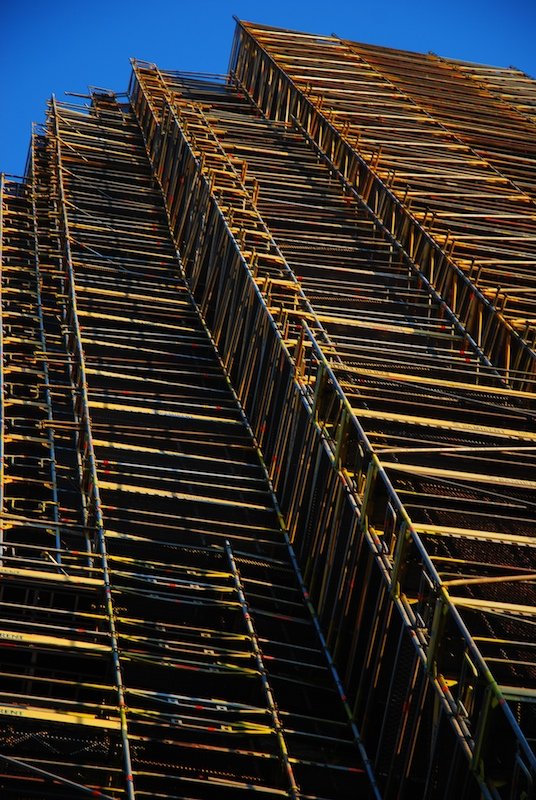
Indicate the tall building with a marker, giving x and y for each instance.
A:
(268, 433)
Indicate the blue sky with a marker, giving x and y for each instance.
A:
(51, 46)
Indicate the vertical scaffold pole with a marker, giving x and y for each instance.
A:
(46, 378)
(293, 789)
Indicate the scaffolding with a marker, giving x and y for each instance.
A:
(161, 639)
(470, 227)
(391, 420)
(268, 433)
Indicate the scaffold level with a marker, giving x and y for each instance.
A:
(268, 433)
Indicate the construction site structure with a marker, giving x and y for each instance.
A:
(268, 433)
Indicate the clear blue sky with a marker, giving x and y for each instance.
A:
(51, 46)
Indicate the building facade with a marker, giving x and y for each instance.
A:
(268, 433)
